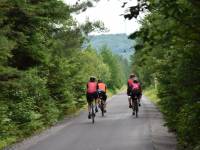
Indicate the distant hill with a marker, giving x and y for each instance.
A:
(118, 43)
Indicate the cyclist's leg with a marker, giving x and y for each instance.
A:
(89, 101)
(139, 97)
(89, 110)
(95, 97)
(106, 96)
(98, 99)
(104, 100)
(133, 101)
(130, 98)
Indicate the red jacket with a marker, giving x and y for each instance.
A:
(91, 87)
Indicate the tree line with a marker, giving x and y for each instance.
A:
(167, 54)
(43, 68)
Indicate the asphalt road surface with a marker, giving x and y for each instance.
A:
(117, 130)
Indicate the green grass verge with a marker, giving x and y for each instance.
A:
(7, 141)
(112, 92)
(151, 93)
(71, 112)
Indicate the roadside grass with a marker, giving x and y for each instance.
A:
(7, 141)
(151, 93)
(122, 89)
(111, 92)
(12, 140)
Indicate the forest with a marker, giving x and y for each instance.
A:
(43, 68)
(167, 58)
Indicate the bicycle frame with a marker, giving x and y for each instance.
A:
(92, 110)
(101, 104)
(135, 107)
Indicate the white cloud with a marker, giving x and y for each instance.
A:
(108, 11)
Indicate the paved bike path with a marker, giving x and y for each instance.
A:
(118, 130)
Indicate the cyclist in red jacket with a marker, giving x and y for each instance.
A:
(91, 94)
(129, 88)
(136, 90)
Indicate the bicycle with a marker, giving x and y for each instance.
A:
(93, 113)
(101, 106)
(135, 107)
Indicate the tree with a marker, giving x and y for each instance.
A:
(116, 79)
(39, 65)
(167, 49)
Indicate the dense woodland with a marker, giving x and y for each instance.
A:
(119, 43)
(167, 55)
(43, 68)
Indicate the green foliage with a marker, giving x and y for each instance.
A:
(43, 70)
(93, 64)
(118, 43)
(189, 125)
(152, 93)
(105, 66)
(167, 54)
(118, 74)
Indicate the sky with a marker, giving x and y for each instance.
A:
(108, 11)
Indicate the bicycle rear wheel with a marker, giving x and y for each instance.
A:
(136, 107)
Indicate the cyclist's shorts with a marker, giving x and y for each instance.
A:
(91, 96)
(129, 91)
(102, 94)
(135, 93)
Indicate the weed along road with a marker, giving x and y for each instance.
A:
(117, 130)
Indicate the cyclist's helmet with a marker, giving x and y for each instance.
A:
(132, 75)
(135, 80)
(92, 78)
(100, 81)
